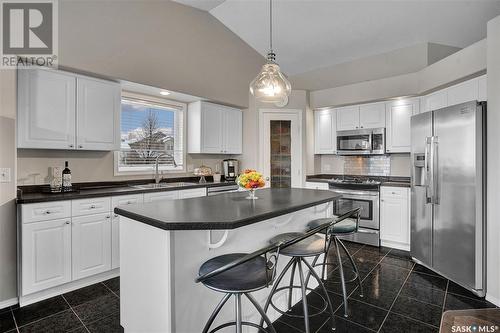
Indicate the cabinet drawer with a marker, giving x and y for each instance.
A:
(393, 192)
(316, 186)
(45, 211)
(90, 206)
(124, 200)
(193, 193)
(158, 196)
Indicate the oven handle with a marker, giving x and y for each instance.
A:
(371, 194)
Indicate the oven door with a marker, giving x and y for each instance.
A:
(368, 201)
(357, 142)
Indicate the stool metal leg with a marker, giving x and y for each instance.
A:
(322, 286)
(275, 286)
(326, 257)
(315, 260)
(215, 313)
(237, 311)
(290, 291)
(353, 265)
(304, 295)
(270, 327)
(342, 279)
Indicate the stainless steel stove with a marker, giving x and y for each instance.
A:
(363, 192)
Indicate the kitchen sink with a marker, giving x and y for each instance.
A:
(164, 185)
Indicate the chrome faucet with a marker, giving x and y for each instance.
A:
(157, 174)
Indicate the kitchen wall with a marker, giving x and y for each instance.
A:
(389, 165)
(158, 43)
(8, 244)
(493, 167)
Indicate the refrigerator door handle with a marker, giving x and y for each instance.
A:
(429, 185)
(435, 169)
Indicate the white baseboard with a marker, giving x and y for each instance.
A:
(67, 287)
(8, 302)
(395, 245)
(492, 299)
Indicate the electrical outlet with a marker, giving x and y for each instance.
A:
(5, 175)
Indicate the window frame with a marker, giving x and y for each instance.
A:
(150, 170)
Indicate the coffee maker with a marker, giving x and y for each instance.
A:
(230, 169)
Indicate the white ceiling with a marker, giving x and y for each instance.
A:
(311, 34)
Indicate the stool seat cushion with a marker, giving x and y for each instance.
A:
(308, 247)
(343, 227)
(249, 276)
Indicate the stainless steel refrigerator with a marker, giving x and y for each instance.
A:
(448, 193)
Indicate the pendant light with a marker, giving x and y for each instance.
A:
(271, 85)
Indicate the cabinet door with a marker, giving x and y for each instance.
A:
(372, 115)
(233, 130)
(347, 118)
(435, 101)
(463, 92)
(212, 135)
(46, 109)
(121, 200)
(394, 219)
(46, 255)
(398, 114)
(98, 114)
(325, 129)
(91, 245)
(157, 196)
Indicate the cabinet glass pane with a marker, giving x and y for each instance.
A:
(281, 162)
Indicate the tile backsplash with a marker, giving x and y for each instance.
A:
(367, 165)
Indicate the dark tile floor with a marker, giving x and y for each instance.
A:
(399, 296)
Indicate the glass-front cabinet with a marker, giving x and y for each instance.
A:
(281, 153)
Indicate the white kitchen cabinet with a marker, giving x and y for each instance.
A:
(90, 206)
(482, 94)
(372, 115)
(62, 110)
(398, 114)
(45, 255)
(122, 200)
(316, 185)
(395, 217)
(435, 101)
(463, 92)
(192, 193)
(43, 211)
(325, 132)
(157, 196)
(347, 118)
(98, 114)
(214, 129)
(91, 245)
(46, 109)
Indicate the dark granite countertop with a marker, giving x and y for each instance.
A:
(225, 211)
(34, 194)
(396, 181)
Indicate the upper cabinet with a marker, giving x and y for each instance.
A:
(325, 134)
(347, 118)
(361, 116)
(214, 129)
(470, 90)
(398, 114)
(60, 110)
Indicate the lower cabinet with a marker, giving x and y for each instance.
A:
(46, 254)
(395, 217)
(91, 245)
(157, 196)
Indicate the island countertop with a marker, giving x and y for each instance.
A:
(224, 211)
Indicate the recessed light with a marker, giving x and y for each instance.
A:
(164, 92)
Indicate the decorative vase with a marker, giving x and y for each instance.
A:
(251, 194)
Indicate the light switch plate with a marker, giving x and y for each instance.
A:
(5, 175)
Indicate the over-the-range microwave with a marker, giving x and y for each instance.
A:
(361, 142)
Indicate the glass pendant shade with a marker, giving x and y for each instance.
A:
(271, 85)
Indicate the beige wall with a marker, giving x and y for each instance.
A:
(493, 167)
(8, 264)
(158, 43)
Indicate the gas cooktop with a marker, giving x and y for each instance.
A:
(355, 181)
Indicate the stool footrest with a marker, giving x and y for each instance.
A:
(286, 313)
(332, 264)
(244, 323)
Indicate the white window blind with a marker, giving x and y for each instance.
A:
(149, 130)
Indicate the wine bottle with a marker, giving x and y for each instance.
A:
(66, 178)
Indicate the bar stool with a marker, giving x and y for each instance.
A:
(345, 227)
(311, 246)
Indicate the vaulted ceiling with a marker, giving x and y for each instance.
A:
(311, 34)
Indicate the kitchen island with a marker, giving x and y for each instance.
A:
(163, 244)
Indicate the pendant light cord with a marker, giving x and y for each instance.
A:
(271, 25)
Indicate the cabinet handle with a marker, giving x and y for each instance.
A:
(381, 200)
(80, 146)
(129, 202)
(115, 215)
(108, 217)
(67, 222)
(393, 192)
(361, 126)
(72, 146)
(92, 206)
(47, 212)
